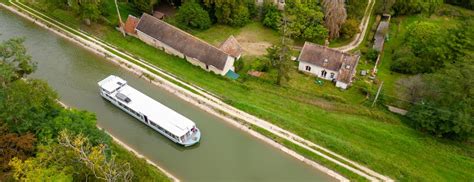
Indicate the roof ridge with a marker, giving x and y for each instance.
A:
(182, 31)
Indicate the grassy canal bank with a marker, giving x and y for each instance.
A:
(337, 121)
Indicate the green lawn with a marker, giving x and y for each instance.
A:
(369, 136)
(396, 38)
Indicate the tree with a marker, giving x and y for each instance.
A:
(35, 170)
(349, 29)
(334, 16)
(447, 105)
(271, 16)
(14, 145)
(280, 60)
(305, 21)
(144, 5)
(76, 122)
(15, 62)
(407, 7)
(88, 10)
(27, 104)
(193, 15)
(430, 6)
(230, 12)
(412, 88)
(386, 6)
(426, 50)
(372, 55)
(95, 158)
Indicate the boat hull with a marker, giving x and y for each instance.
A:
(194, 139)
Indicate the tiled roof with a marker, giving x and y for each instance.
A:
(348, 69)
(130, 24)
(330, 59)
(182, 41)
(232, 47)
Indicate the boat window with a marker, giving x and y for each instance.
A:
(123, 97)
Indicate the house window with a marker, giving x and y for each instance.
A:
(308, 68)
(332, 75)
(324, 73)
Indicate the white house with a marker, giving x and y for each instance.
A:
(175, 41)
(328, 64)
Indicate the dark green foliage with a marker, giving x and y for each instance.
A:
(239, 65)
(260, 64)
(349, 29)
(426, 50)
(27, 105)
(372, 55)
(306, 21)
(406, 62)
(271, 16)
(447, 105)
(144, 5)
(429, 47)
(384, 6)
(88, 10)
(76, 122)
(407, 7)
(15, 63)
(191, 14)
(462, 3)
(280, 60)
(356, 9)
(234, 13)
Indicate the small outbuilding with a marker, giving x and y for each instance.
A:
(232, 47)
(130, 25)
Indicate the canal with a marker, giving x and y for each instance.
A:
(224, 154)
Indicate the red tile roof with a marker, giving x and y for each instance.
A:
(232, 47)
(130, 24)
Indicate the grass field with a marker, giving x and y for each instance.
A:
(341, 123)
(396, 39)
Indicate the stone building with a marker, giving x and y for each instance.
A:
(172, 40)
(328, 64)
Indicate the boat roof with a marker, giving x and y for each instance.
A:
(111, 83)
(156, 112)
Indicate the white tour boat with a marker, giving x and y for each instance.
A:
(166, 121)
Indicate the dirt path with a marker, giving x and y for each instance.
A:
(364, 25)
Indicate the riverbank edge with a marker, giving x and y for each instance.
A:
(193, 98)
(222, 112)
(130, 149)
(115, 139)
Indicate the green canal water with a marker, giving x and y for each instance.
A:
(224, 154)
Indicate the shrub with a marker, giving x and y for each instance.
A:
(349, 29)
(191, 14)
(271, 16)
(372, 55)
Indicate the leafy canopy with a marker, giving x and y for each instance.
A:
(191, 14)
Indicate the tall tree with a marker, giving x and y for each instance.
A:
(231, 12)
(305, 21)
(15, 63)
(446, 107)
(334, 16)
(14, 145)
(145, 5)
(191, 14)
(94, 157)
